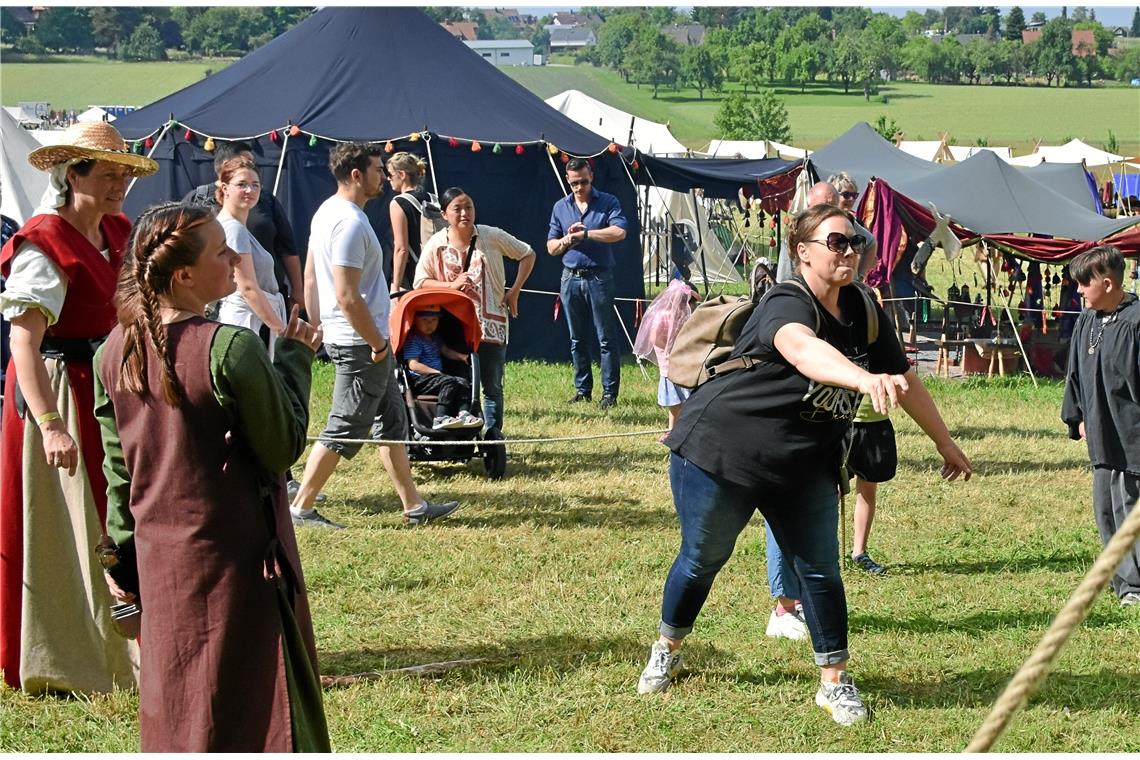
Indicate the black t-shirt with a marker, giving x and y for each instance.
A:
(412, 215)
(769, 425)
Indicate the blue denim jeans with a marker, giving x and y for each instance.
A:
(782, 579)
(588, 300)
(713, 511)
(492, 358)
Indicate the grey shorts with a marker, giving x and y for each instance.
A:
(366, 401)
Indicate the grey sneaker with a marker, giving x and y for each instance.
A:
(314, 520)
(293, 486)
(663, 667)
(427, 511)
(865, 563)
(1131, 599)
(841, 701)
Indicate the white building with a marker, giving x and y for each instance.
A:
(504, 52)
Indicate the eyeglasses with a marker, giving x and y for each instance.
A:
(579, 182)
(837, 242)
(243, 186)
(849, 195)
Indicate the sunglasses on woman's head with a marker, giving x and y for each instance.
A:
(837, 242)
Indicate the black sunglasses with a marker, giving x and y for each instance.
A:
(849, 195)
(837, 242)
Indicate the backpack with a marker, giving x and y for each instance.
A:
(431, 218)
(704, 345)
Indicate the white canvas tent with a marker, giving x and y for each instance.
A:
(664, 206)
(962, 152)
(1029, 159)
(928, 150)
(617, 125)
(754, 149)
(1074, 152)
(23, 185)
(94, 113)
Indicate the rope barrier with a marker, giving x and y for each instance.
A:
(980, 305)
(511, 442)
(1034, 670)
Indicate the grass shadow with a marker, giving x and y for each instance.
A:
(979, 624)
(557, 653)
(540, 510)
(983, 467)
(1073, 561)
(1103, 690)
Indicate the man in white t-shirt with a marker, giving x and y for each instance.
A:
(345, 285)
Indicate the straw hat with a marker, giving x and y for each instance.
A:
(95, 140)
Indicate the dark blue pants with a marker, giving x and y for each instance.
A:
(713, 511)
(588, 300)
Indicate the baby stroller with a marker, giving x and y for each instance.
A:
(459, 329)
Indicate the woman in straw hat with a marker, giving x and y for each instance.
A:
(61, 267)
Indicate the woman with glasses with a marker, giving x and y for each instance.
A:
(770, 437)
(257, 303)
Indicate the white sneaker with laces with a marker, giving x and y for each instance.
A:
(663, 667)
(842, 701)
(790, 625)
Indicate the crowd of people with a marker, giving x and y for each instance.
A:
(196, 327)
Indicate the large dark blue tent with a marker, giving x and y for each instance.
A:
(390, 75)
(717, 177)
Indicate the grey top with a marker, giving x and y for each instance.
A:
(242, 241)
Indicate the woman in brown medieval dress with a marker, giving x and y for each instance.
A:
(61, 267)
(198, 427)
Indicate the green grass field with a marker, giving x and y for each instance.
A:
(81, 81)
(556, 573)
(1014, 116)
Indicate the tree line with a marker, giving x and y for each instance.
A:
(146, 34)
(796, 46)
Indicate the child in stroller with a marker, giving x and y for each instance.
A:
(423, 353)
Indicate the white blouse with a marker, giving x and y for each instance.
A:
(35, 282)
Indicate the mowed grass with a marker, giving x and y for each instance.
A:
(1005, 116)
(555, 574)
(81, 81)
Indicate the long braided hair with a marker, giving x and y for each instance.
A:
(164, 238)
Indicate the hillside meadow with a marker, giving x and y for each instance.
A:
(1014, 116)
(549, 584)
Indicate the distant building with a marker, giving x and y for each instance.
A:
(520, 21)
(28, 16)
(571, 38)
(1083, 40)
(504, 52)
(462, 30)
(686, 34)
(573, 19)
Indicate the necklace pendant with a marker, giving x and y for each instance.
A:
(1092, 349)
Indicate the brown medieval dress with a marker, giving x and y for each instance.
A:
(228, 657)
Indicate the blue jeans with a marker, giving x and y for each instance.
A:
(713, 511)
(588, 299)
(782, 579)
(492, 358)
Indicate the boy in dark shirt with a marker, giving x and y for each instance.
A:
(1101, 404)
(423, 353)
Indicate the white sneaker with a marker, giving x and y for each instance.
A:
(790, 625)
(662, 669)
(842, 701)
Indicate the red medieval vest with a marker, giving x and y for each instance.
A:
(89, 310)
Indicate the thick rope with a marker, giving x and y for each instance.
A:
(1034, 669)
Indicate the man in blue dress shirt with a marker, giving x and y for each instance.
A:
(583, 227)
